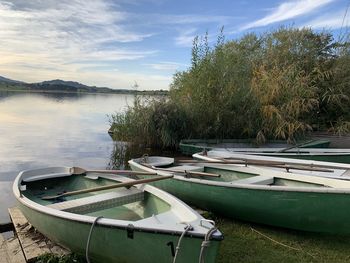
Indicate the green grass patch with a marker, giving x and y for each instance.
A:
(245, 242)
(51, 258)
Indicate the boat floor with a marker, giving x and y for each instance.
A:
(131, 204)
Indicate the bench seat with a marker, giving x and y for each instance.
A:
(260, 179)
(183, 168)
(101, 201)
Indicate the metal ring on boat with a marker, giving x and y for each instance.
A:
(206, 220)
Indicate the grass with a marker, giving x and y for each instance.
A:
(51, 258)
(246, 242)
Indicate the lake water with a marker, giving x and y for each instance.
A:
(40, 130)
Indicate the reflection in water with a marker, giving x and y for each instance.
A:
(47, 129)
(118, 159)
(40, 130)
(6, 200)
(56, 96)
(6, 94)
(63, 96)
(122, 152)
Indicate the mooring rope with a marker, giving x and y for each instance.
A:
(206, 243)
(188, 227)
(280, 243)
(89, 237)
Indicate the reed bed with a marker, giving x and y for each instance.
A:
(278, 85)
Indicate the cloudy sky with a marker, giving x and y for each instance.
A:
(122, 42)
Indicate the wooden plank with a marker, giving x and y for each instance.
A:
(4, 258)
(10, 251)
(32, 242)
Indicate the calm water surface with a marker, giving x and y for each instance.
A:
(40, 130)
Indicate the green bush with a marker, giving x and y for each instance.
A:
(279, 85)
(159, 123)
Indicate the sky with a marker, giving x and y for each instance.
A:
(120, 43)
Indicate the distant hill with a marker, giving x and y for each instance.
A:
(58, 85)
(6, 80)
(67, 86)
(62, 83)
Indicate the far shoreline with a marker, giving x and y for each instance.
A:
(124, 92)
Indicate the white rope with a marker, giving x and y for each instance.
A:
(89, 237)
(206, 243)
(188, 227)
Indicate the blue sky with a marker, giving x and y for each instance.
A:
(119, 43)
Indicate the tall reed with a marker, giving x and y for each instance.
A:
(277, 85)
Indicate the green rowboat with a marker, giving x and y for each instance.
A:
(326, 155)
(307, 167)
(192, 146)
(266, 196)
(136, 224)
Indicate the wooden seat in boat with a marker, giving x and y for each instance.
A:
(182, 168)
(261, 179)
(100, 201)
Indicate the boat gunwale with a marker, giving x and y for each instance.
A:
(326, 190)
(277, 151)
(115, 223)
(194, 142)
(253, 157)
(336, 170)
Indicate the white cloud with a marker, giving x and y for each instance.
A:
(157, 19)
(68, 21)
(43, 39)
(66, 39)
(111, 78)
(288, 10)
(185, 37)
(192, 19)
(66, 31)
(167, 66)
(329, 21)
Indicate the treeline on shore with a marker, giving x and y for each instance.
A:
(59, 86)
(278, 85)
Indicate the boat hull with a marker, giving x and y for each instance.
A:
(136, 224)
(335, 158)
(193, 146)
(308, 211)
(112, 244)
